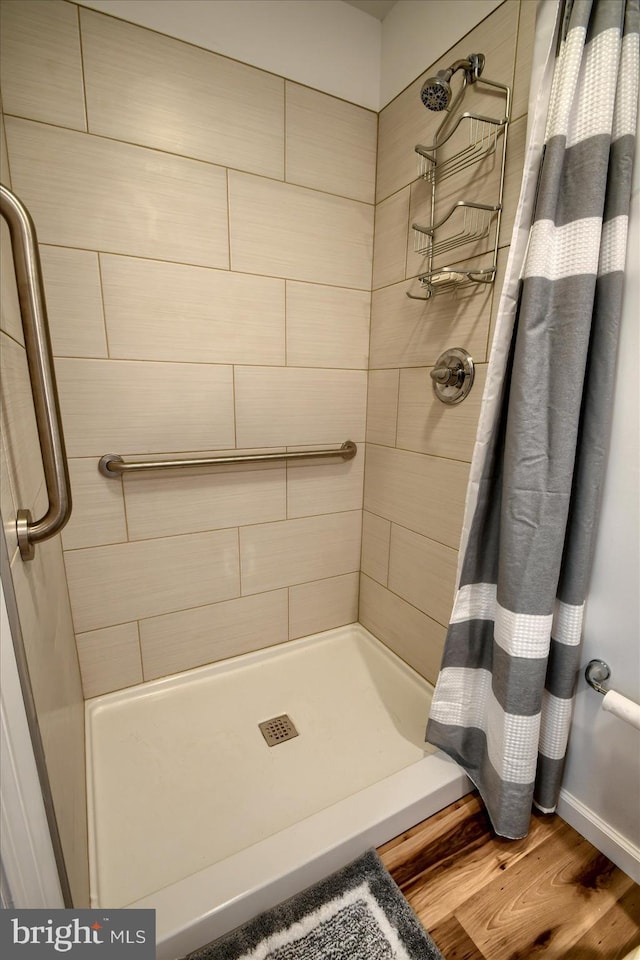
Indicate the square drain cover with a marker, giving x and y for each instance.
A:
(278, 729)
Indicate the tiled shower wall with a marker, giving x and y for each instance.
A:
(206, 232)
(207, 237)
(419, 450)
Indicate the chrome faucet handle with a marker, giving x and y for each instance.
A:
(452, 375)
(449, 376)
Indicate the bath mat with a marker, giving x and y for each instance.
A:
(357, 913)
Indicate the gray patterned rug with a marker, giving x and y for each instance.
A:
(357, 913)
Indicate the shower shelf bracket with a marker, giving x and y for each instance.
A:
(467, 222)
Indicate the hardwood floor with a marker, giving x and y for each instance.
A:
(551, 895)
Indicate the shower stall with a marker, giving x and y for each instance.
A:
(267, 491)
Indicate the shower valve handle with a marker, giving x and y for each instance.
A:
(452, 375)
(449, 376)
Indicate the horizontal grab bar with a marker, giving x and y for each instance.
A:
(24, 245)
(112, 465)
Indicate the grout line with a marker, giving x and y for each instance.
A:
(82, 71)
(142, 670)
(235, 405)
(104, 313)
(227, 57)
(229, 254)
(284, 133)
(205, 266)
(408, 602)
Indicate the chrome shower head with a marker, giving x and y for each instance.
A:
(436, 91)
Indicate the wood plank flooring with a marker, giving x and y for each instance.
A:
(551, 895)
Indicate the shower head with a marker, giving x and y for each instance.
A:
(436, 91)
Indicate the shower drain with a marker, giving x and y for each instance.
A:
(278, 729)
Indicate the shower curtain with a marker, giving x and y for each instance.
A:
(503, 701)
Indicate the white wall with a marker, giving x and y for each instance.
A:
(326, 44)
(601, 795)
(415, 35)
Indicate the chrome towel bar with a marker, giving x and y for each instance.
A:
(112, 465)
(24, 245)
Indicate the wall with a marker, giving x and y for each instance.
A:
(207, 258)
(325, 44)
(416, 33)
(39, 586)
(419, 450)
(601, 793)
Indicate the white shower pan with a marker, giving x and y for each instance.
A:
(192, 814)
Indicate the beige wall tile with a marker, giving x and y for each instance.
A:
(126, 581)
(405, 122)
(287, 231)
(4, 158)
(109, 659)
(157, 91)
(513, 177)
(178, 502)
(409, 333)
(120, 406)
(382, 406)
(328, 486)
(503, 255)
(296, 551)
(401, 125)
(323, 605)
(86, 191)
(424, 494)
(169, 311)
(10, 317)
(74, 302)
(299, 406)
(429, 426)
(411, 634)
(8, 506)
(47, 631)
(41, 65)
(390, 239)
(180, 641)
(376, 533)
(524, 57)
(331, 145)
(19, 430)
(422, 572)
(327, 326)
(98, 508)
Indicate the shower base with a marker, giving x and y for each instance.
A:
(193, 814)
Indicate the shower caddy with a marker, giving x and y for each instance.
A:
(468, 221)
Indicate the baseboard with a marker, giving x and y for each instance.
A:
(618, 848)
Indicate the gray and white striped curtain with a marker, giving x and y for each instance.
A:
(503, 701)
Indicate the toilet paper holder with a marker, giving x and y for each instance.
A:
(596, 672)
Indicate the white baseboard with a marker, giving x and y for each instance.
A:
(618, 848)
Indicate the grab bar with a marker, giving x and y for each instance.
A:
(112, 465)
(24, 245)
